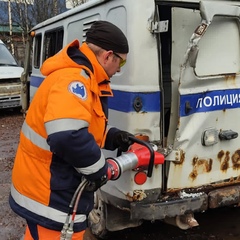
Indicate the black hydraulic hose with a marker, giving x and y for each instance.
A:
(68, 225)
(149, 147)
(80, 186)
(80, 190)
(71, 205)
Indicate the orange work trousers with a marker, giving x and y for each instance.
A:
(47, 234)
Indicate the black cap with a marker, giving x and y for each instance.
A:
(107, 36)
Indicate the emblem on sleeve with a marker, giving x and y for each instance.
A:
(78, 89)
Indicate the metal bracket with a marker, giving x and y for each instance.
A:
(159, 27)
(174, 156)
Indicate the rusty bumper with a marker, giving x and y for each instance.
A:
(172, 208)
(224, 197)
(221, 197)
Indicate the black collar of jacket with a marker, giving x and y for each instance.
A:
(78, 57)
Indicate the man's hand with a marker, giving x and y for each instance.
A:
(93, 186)
(121, 140)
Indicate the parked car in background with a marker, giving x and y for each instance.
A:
(10, 83)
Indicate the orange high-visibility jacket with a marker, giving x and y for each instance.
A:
(61, 139)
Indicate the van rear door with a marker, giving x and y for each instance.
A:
(205, 68)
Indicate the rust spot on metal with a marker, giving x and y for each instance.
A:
(194, 161)
(225, 163)
(220, 155)
(181, 158)
(138, 195)
(200, 166)
(142, 137)
(231, 180)
(206, 163)
(236, 159)
(226, 183)
(230, 77)
(178, 123)
(209, 166)
(193, 174)
(224, 197)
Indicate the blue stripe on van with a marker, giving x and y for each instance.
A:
(189, 104)
(123, 101)
(36, 81)
(209, 101)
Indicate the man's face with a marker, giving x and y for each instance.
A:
(114, 62)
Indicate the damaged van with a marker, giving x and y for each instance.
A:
(10, 83)
(179, 91)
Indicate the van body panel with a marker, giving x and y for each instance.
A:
(179, 88)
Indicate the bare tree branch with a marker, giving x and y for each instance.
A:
(75, 3)
(27, 13)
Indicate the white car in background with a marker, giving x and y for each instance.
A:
(10, 83)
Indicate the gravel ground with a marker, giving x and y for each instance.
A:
(220, 224)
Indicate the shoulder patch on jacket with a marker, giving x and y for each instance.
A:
(78, 89)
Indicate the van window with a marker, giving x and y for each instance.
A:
(217, 52)
(53, 42)
(37, 50)
(6, 59)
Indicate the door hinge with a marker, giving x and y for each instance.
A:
(159, 27)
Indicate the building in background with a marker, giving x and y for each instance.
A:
(17, 17)
(11, 34)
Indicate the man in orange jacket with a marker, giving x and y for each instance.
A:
(64, 131)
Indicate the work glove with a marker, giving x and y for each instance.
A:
(93, 186)
(121, 140)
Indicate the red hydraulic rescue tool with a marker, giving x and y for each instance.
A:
(140, 156)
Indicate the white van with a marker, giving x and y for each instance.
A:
(180, 90)
(10, 84)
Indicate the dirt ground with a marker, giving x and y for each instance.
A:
(11, 226)
(220, 224)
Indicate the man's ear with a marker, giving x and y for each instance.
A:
(106, 55)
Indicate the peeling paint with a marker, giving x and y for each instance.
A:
(200, 166)
(236, 159)
(220, 155)
(230, 77)
(180, 159)
(193, 174)
(138, 195)
(224, 197)
(225, 163)
(183, 194)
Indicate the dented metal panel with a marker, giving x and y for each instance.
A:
(209, 88)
